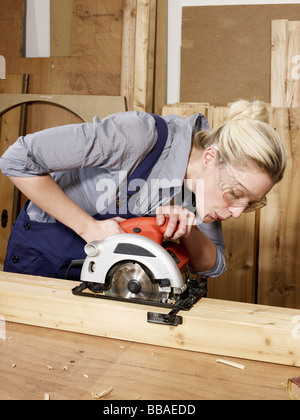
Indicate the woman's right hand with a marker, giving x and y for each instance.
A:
(101, 229)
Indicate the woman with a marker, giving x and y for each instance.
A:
(134, 164)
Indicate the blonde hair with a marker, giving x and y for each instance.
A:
(246, 138)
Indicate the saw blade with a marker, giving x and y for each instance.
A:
(130, 281)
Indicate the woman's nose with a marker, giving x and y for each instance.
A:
(236, 212)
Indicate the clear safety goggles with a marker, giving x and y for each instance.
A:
(233, 192)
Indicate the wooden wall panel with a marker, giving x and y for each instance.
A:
(263, 250)
(279, 256)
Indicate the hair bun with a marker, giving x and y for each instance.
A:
(256, 110)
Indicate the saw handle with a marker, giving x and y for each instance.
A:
(145, 226)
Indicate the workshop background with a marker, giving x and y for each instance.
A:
(120, 48)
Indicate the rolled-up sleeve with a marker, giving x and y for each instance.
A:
(107, 143)
(214, 232)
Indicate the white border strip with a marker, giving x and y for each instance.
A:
(174, 35)
(38, 28)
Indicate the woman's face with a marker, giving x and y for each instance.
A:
(227, 190)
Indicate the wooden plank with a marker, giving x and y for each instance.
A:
(144, 55)
(84, 106)
(293, 60)
(128, 51)
(186, 109)
(279, 37)
(279, 265)
(9, 133)
(285, 64)
(216, 327)
(135, 371)
(160, 82)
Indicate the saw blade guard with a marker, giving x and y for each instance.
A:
(127, 248)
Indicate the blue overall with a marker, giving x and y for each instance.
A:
(47, 249)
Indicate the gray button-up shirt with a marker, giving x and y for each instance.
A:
(90, 161)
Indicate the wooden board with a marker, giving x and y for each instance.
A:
(161, 52)
(10, 126)
(285, 74)
(144, 55)
(70, 366)
(226, 51)
(279, 264)
(216, 327)
(83, 106)
(128, 51)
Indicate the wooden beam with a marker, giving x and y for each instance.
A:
(144, 55)
(279, 62)
(161, 59)
(293, 76)
(285, 73)
(235, 329)
(84, 106)
(128, 51)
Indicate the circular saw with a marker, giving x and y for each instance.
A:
(138, 266)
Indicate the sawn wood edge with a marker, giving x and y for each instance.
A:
(234, 329)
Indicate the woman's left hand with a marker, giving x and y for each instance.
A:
(181, 221)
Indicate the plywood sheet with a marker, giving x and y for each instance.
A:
(226, 51)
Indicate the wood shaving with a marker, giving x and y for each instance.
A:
(232, 364)
(50, 367)
(103, 393)
(46, 396)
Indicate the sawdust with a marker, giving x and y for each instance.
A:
(103, 393)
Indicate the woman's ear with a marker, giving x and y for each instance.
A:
(209, 157)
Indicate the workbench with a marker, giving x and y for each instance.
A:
(36, 361)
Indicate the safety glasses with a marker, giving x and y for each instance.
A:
(233, 192)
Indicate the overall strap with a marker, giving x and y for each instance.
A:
(120, 206)
(146, 166)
